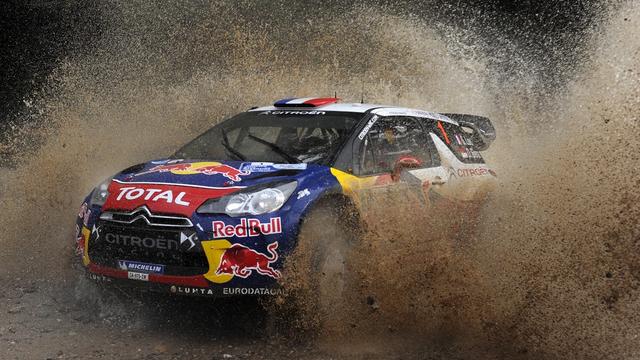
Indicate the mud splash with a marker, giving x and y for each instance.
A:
(561, 227)
(126, 102)
(552, 271)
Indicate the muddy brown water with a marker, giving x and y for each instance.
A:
(551, 272)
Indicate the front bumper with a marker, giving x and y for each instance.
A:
(217, 268)
(178, 285)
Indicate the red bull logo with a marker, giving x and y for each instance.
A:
(247, 228)
(227, 260)
(240, 260)
(206, 168)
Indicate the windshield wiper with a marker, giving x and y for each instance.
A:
(225, 143)
(276, 149)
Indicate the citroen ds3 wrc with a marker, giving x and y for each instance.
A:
(220, 216)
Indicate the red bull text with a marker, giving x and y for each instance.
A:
(247, 228)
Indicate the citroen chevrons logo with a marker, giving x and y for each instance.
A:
(142, 213)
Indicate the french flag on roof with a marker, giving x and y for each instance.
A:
(305, 102)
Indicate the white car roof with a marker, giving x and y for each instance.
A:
(381, 110)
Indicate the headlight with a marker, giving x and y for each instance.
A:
(100, 193)
(255, 201)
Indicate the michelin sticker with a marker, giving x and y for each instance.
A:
(140, 267)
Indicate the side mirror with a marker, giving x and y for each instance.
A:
(482, 131)
(404, 162)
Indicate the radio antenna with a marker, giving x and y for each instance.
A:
(335, 94)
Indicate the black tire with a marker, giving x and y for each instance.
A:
(330, 232)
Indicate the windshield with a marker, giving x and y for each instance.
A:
(279, 136)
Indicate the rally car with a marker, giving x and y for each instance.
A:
(220, 216)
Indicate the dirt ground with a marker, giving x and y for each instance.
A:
(72, 320)
(58, 321)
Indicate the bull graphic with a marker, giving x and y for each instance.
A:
(227, 171)
(240, 260)
(206, 168)
(166, 168)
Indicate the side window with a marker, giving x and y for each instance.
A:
(458, 141)
(392, 138)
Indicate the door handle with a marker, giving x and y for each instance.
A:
(438, 181)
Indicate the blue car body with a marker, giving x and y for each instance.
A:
(223, 227)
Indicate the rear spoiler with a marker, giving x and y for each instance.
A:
(483, 132)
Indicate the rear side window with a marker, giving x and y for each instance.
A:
(458, 141)
(392, 138)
